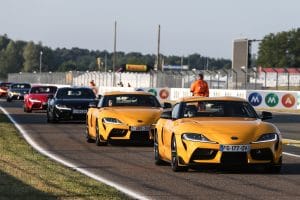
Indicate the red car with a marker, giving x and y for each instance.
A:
(3, 88)
(37, 98)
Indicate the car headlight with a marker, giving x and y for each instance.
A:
(34, 100)
(62, 107)
(110, 120)
(268, 137)
(196, 137)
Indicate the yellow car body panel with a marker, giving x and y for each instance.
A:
(219, 131)
(140, 117)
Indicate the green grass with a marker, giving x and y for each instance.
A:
(26, 174)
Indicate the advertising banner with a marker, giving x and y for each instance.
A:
(135, 68)
(160, 93)
(273, 99)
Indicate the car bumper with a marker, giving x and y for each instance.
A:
(38, 105)
(15, 96)
(70, 115)
(193, 153)
(125, 132)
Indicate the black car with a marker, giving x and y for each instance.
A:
(17, 91)
(69, 103)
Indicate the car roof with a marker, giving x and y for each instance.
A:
(74, 87)
(198, 98)
(124, 93)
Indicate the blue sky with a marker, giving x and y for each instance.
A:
(192, 26)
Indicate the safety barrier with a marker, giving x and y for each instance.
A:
(289, 100)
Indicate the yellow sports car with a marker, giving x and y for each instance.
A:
(220, 130)
(123, 116)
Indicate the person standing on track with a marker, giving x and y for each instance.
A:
(93, 87)
(200, 87)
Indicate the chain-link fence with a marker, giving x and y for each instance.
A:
(222, 79)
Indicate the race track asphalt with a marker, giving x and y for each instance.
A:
(133, 166)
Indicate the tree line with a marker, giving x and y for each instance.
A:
(280, 50)
(275, 50)
(23, 56)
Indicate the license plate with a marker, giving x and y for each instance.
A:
(235, 148)
(76, 111)
(140, 128)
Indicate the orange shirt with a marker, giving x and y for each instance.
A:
(200, 88)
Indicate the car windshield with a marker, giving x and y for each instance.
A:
(75, 93)
(20, 86)
(131, 100)
(43, 90)
(214, 108)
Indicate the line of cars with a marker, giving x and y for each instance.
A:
(194, 131)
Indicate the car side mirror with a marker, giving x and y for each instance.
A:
(167, 105)
(99, 96)
(166, 115)
(266, 115)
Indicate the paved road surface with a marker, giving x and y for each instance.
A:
(133, 166)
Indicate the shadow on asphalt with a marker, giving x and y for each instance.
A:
(287, 169)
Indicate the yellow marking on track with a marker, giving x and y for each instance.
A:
(290, 142)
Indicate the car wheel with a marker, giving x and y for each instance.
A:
(174, 158)
(157, 159)
(28, 110)
(274, 168)
(50, 117)
(99, 141)
(87, 135)
(8, 99)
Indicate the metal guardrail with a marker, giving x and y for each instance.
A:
(223, 79)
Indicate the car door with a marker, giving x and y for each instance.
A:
(168, 130)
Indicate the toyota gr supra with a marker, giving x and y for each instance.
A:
(220, 130)
(123, 116)
(69, 103)
(17, 91)
(37, 98)
(3, 88)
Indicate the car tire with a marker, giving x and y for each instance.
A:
(51, 118)
(158, 160)
(174, 158)
(99, 141)
(28, 110)
(8, 99)
(87, 135)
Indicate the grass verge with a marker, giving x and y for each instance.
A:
(26, 174)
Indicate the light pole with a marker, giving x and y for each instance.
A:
(41, 55)
(244, 69)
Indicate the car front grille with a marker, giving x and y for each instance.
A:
(203, 154)
(139, 135)
(261, 154)
(118, 133)
(234, 158)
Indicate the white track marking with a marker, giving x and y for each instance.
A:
(291, 154)
(119, 187)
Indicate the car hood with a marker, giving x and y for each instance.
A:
(222, 130)
(22, 91)
(41, 97)
(75, 103)
(135, 116)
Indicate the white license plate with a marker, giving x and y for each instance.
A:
(140, 128)
(76, 111)
(235, 148)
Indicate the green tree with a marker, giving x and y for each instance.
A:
(280, 50)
